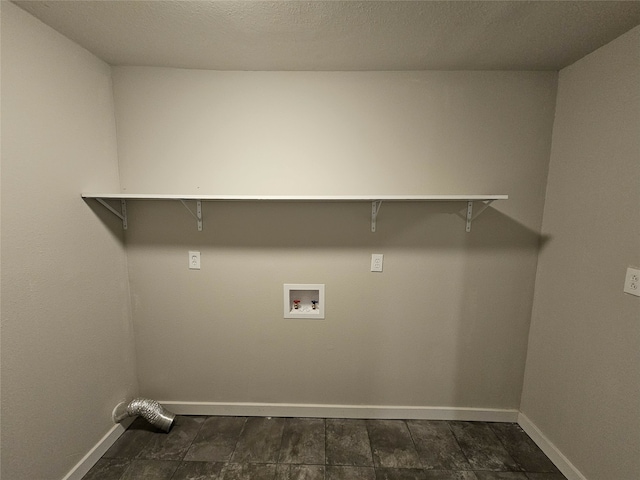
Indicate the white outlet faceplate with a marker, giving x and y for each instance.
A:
(632, 281)
(194, 260)
(376, 262)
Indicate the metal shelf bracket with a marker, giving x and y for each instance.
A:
(375, 208)
(197, 215)
(122, 215)
(470, 216)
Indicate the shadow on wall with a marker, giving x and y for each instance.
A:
(109, 220)
(285, 225)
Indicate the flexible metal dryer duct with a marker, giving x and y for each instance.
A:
(150, 410)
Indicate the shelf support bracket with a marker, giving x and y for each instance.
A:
(375, 208)
(470, 216)
(122, 215)
(197, 215)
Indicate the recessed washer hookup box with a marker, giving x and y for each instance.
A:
(304, 300)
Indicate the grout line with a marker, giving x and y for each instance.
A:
(324, 470)
(235, 447)
(415, 445)
(501, 443)
(506, 448)
(286, 421)
(455, 438)
(373, 460)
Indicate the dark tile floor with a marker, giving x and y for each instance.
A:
(256, 448)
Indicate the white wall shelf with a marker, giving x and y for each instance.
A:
(376, 202)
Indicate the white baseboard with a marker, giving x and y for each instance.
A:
(555, 455)
(91, 458)
(341, 411)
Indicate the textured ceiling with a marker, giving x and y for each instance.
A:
(340, 35)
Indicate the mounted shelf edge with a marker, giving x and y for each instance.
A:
(297, 198)
(376, 202)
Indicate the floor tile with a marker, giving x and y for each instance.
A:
(303, 441)
(198, 471)
(216, 440)
(501, 476)
(151, 470)
(348, 443)
(350, 473)
(173, 445)
(449, 475)
(482, 448)
(400, 474)
(391, 444)
(108, 469)
(255, 448)
(437, 447)
(248, 471)
(133, 440)
(299, 472)
(259, 441)
(523, 450)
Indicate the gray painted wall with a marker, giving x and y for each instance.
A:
(583, 367)
(444, 325)
(67, 351)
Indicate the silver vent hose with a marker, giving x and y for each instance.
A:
(150, 410)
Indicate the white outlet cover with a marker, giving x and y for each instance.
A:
(194, 260)
(377, 260)
(632, 281)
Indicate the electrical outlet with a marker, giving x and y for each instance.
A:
(194, 260)
(376, 262)
(632, 281)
